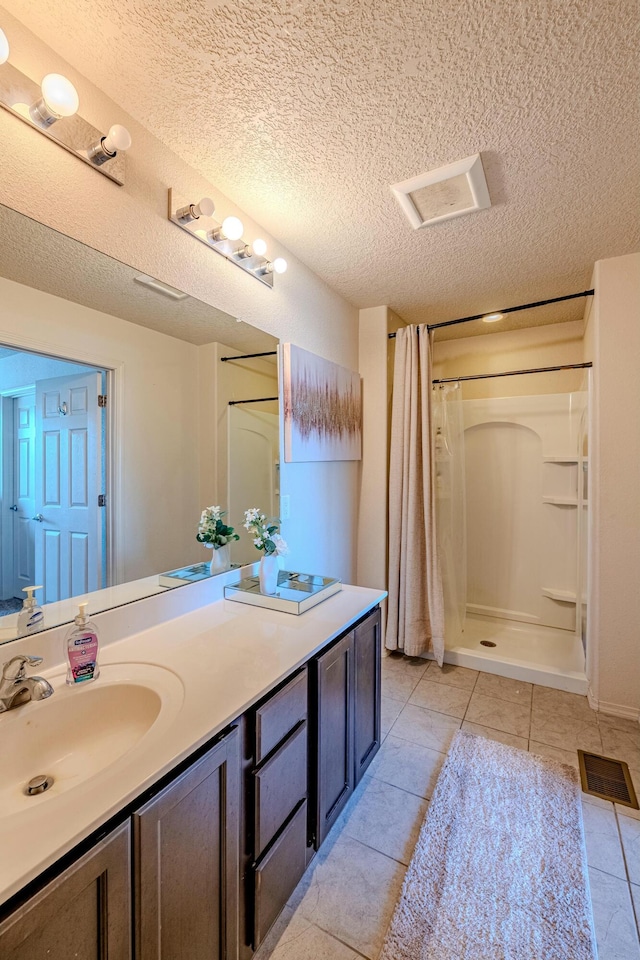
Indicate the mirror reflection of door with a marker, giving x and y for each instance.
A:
(253, 470)
(52, 437)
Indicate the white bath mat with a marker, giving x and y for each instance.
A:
(499, 871)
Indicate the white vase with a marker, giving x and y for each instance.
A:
(269, 569)
(221, 560)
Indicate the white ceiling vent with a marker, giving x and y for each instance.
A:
(444, 193)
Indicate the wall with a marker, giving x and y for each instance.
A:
(612, 341)
(545, 346)
(157, 434)
(130, 223)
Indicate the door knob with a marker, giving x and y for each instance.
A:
(38, 517)
(14, 507)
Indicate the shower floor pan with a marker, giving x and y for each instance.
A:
(522, 651)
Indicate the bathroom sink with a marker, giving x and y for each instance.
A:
(81, 731)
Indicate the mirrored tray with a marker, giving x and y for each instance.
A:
(296, 592)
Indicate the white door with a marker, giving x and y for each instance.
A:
(24, 504)
(253, 472)
(68, 525)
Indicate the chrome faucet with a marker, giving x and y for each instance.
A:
(17, 688)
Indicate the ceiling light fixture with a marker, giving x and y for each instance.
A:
(4, 47)
(46, 106)
(161, 287)
(492, 317)
(223, 237)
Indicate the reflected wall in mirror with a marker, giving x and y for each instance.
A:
(167, 444)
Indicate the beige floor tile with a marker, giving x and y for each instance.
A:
(415, 666)
(502, 688)
(499, 735)
(616, 931)
(631, 727)
(270, 942)
(621, 745)
(450, 674)
(398, 685)
(442, 698)
(407, 765)
(387, 819)
(567, 733)
(630, 833)
(302, 940)
(624, 811)
(635, 896)
(352, 893)
(604, 850)
(499, 714)
(554, 753)
(390, 711)
(431, 729)
(548, 701)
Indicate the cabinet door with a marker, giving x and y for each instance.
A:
(335, 766)
(367, 706)
(187, 862)
(85, 912)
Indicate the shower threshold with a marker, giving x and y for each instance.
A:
(523, 651)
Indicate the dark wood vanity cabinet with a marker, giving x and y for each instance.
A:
(346, 693)
(186, 862)
(84, 912)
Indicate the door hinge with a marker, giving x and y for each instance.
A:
(102, 399)
(102, 499)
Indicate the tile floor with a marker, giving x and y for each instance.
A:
(343, 905)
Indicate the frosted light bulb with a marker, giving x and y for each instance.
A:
(492, 317)
(4, 47)
(232, 228)
(60, 95)
(193, 211)
(279, 265)
(117, 139)
(259, 247)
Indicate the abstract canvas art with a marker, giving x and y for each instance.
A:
(322, 408)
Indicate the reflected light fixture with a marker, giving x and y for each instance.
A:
(4, 47)
(225, 237)
(492, 317)
(59, 99)
(116, 141)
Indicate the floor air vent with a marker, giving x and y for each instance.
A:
(607, 778)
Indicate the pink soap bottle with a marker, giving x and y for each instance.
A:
(81, 648)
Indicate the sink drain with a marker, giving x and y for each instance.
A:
(38, 785)
(487, 643)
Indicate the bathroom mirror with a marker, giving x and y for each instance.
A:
(174, 434)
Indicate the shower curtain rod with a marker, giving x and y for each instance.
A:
(522, 306)
(234, 403)
(516, 373)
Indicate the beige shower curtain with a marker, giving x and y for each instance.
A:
(415, 620)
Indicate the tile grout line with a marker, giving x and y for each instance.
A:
(626, 870)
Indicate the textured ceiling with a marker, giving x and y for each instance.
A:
(305, 112)
(78, 273)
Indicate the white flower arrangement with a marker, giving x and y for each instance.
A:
(212, 531)
(265, 533)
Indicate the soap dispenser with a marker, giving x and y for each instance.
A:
(31, 617)
(81, 649)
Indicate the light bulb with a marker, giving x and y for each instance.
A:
(280, 265)
(232, 228)
(193, 211)
(259, 247)
(118, 139)
(4, 47)
(492, 317)
(59, 95)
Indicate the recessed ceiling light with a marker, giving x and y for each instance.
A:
(161, 287)
(492, 317)
(450, 191)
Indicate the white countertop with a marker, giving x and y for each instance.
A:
(221, 658)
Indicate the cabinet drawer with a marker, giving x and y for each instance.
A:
(280, 714)
(277, 876)
(279, 786)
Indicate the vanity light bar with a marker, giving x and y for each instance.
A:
(51, 108)
(195, 216)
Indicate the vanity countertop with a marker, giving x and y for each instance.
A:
(215, 662)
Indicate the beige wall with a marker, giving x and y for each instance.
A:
(130, 223)
(156, 414)
(545, 346)
(613, 342)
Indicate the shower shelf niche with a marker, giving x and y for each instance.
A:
(561, 501)
(565, 596)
